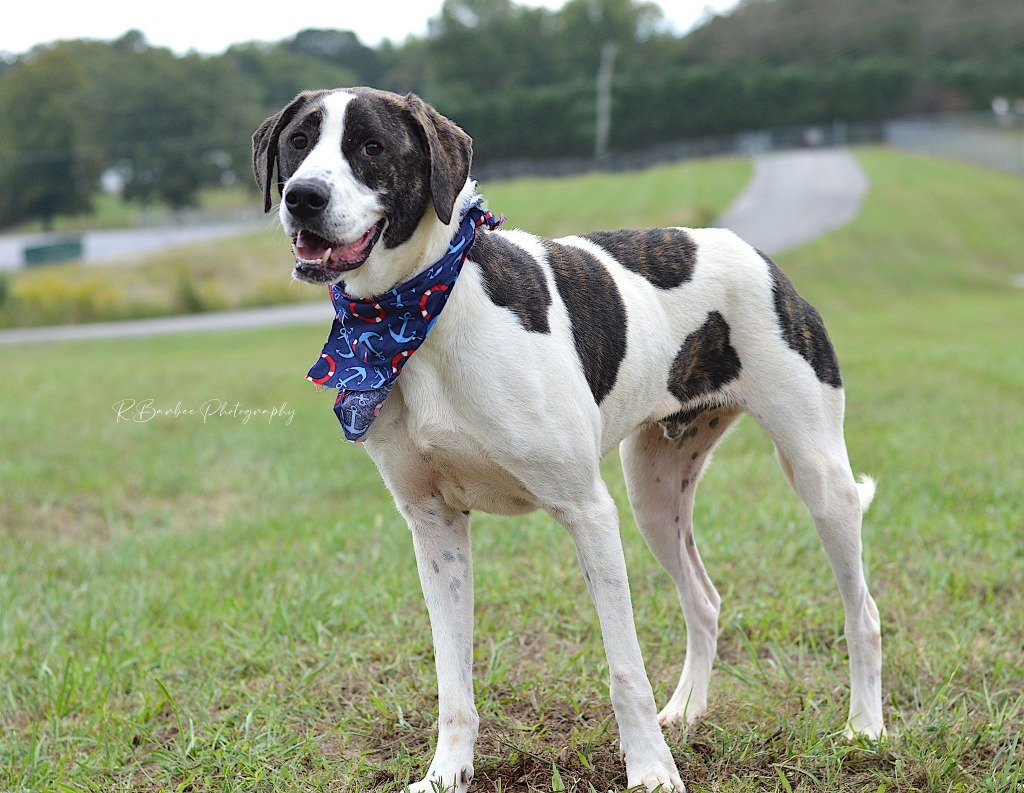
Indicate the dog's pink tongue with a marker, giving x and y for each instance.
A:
(352, 251)
(310, 246)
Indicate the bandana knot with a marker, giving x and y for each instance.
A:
(371, 340)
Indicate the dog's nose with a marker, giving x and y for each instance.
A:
(306, 199)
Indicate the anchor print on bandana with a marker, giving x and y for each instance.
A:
(371, 340)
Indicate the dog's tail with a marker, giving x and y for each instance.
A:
(866, 491)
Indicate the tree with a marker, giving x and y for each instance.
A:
(341, 47)
(46, 164)
(170, 125)
(278, 73)
(593, 23)
(486, 45)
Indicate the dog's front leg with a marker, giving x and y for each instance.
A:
(594, 527)
(441, 538)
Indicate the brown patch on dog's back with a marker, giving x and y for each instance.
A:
(513, 280)
(596, 312)
(665, 257)
(705, 362)
(802, 328)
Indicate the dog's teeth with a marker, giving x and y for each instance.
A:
(326, 256)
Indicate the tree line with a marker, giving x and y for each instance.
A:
(521, 80)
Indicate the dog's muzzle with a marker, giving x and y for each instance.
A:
(319, 259)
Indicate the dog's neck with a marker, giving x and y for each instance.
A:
(388, 267)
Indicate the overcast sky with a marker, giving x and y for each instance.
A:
(213, 25)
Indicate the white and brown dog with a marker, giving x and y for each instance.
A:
(548, 355)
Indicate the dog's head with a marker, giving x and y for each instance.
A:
(359, 172)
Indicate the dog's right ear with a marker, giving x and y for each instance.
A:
(450, 150)
(264, 144)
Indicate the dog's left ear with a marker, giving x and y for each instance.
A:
(451, 152)
(264, 144)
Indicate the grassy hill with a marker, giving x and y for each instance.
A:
(932, 228)
(227, 604)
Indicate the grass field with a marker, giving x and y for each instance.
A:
(247, 271)
(212, 603)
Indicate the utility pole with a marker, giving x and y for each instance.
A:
(604, 98)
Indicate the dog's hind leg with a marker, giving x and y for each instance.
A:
(661, 478)
(807, 427)
(594, 526)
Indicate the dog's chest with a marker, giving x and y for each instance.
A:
(444, 427)
(468, 478)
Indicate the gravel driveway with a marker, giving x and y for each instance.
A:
(796, 197)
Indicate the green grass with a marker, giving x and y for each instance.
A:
(219, 605)
(110, 211)
(685, 194)
(253, 270)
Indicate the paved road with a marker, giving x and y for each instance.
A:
(114, 244)
(275, 316)
(793, 198)
(796, 197)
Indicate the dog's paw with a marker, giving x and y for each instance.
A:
(682, 711)
(677, 717)
(654, 770)
(870, 732)
(441, 782)
(662, 780)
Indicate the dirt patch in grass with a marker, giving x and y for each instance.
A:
(92, 519)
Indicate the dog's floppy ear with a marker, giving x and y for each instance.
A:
(264, 144)
(451, 152)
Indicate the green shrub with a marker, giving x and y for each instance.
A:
(51, 298)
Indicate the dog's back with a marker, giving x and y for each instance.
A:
(626, 328)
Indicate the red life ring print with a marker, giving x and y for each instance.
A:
(332, 367)
(400, 359)
(426, 295)
(381, 313)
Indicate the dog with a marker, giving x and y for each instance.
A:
(548, 354)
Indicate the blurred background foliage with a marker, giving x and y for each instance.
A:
(160, 127)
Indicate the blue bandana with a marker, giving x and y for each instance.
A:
(371, 340)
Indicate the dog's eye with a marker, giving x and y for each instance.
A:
(299, 141)
(372, 148)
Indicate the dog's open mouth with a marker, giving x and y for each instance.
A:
(321, 261)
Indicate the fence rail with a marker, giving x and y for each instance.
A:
(972, 139)
(975, 138)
